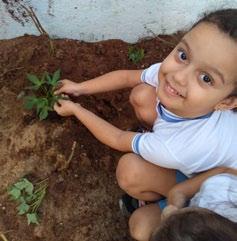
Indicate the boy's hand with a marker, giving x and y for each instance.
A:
(168, 210)
(65, 107)
(67, 87)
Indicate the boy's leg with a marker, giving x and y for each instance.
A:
(144, 221)
(142, 179)
(143, 100)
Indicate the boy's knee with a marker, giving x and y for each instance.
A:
(143, 100)
(138, 95)
(126, 172)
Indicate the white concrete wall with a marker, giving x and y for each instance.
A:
(93, 20)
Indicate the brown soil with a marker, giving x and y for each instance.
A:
(82, 198)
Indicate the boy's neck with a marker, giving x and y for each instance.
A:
(169, 116)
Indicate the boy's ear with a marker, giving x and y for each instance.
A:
(227, 104)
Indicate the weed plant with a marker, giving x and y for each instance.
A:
(135, 54)
(28, 197)
(42, 97)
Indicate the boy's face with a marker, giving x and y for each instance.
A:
(200, 73)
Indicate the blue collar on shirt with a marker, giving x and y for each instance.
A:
(169, 117)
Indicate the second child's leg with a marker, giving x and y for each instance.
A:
(142, 179)
(144, 221)
(143, 100)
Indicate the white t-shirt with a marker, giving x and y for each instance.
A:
(189, 145)
(219, 194)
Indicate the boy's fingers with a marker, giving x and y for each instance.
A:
(65, 97)
(59, 102)
(58, 90)
(57, 105)
(59, 84)
(58, 87)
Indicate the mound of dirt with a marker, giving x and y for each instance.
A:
(82, 198)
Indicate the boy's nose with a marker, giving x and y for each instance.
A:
(181, 76)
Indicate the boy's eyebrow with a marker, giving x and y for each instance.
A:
(186, 44)
(218, 73)
(213, 69)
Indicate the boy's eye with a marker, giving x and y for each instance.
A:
(206, 78)
(182, 55)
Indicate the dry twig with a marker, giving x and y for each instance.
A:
(3, 237)
(161, 39)
(72, 152)
(38, 25)
(63, 164)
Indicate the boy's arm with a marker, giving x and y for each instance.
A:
(101, 129)
(111, 81)
(182, 192)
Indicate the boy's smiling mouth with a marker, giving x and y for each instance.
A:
(172, 91)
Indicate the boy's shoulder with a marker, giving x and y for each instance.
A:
(201, 144)
(225, 120)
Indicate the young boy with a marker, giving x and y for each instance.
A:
(187, 99)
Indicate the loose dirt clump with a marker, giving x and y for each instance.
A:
(82, 198)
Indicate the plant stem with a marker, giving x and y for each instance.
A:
(39, 193)
(37, 203)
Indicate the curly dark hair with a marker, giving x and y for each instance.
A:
(196, 224)
(224, 19)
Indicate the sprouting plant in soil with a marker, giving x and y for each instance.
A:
(135, 54)
(42, 90)
(28, 197)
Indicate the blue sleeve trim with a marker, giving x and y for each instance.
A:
(135, 143)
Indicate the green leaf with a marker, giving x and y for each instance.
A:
(56, 77)
(42, 80)
(30, 102)
(15, 193)
(48, 77)
(23, 208)
(29, 188)
(43, 113)
(34, 80)
(41, 104)
(23, 184)
(32, 218)
(33, 87)
(22, 199)
(53, 100)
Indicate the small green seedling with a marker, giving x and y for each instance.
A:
(135, 54)
(29, 197)
(42, 98)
